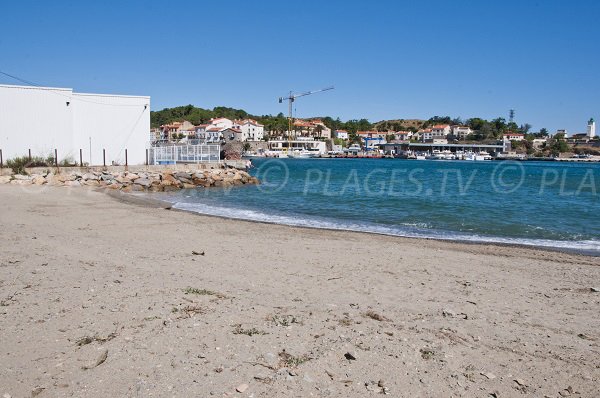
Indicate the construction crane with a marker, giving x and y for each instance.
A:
(291, 98)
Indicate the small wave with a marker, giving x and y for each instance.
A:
(416, 230)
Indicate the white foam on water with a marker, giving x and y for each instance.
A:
(409, 231)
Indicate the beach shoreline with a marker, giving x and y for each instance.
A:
(147, 200)
(104, 298)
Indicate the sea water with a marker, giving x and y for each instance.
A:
(550, 204)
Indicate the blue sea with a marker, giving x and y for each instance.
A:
(547, 204)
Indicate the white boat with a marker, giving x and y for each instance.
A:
(436, 155)
(483, 155)
(448, 155)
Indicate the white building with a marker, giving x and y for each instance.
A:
(461, 132)
(341, 134)
(439, 131)
(591, 128)
(221, 122)
(46, 118)
(513, 137)
(251, 129)
(404, 135)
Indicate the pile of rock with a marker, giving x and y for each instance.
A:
(139, 181)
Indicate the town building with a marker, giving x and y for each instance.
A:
(251, 129)
(342, 134)
(314, 128)
(539, 143)
(461, 132)
(79, 126)
(403, 135)
(372, 138)
(591, 128)
(513, 137)
(439, 131)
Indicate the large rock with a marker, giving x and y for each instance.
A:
(90, 176)
(5, 179)
(170, 188)
(21, 177)
(182, 175)
(39, 180)
(144, 182)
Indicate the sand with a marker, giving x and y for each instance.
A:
(101, 298)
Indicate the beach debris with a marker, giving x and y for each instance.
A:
(350, 356)
(284, 320)
(377, 386)
(489, 375)
(90, 339)
(566, 392)
(202, 292)
(378, 317)
(330, 374)
(248, 332)
(84, 341)
(427, 353)
(195, 253)
(584, 336)
(101, 359)
(264, 378)
(447, 313)
(241, 388)
(37, 391)
(594, 289)
(288, 360)
(520, 382)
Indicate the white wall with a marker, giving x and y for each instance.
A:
(34, 118)
(39, 119)
(114, 123)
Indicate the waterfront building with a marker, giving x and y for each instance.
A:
(371, 138)
(79, 126)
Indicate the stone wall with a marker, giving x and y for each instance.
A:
(127, 181)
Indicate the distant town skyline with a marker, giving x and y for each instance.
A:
(386, 59)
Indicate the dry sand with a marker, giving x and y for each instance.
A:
(94, 304)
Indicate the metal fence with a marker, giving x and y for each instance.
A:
(173, 154)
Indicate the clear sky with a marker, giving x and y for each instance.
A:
(387, 59)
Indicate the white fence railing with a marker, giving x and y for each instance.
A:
(172, 154)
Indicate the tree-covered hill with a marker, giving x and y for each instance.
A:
(483, 129)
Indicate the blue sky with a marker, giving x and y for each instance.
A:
(387, 59)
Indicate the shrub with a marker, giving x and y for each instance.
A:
(19, 164)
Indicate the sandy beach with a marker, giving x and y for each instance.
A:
(101, 298)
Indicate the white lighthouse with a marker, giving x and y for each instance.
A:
(591, 128)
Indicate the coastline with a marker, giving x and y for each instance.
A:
(277, 307)
(147, 200)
